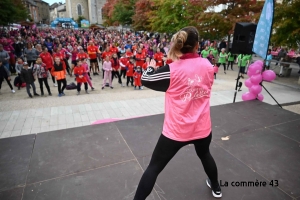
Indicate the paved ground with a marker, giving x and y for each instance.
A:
(20, 115)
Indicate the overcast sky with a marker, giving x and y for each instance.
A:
(54, 1)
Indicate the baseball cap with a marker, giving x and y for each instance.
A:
(25, 64)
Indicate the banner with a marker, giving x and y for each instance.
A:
(264, 29)
(85, 23)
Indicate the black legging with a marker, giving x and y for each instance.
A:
(61, 89)
(53, 78)
(129, 79)
(224, 65)
(7, 81)
(41, 80)
(164, 151)
(123, 72)
(79, 86)
(230, 63)
(118, 75)
(31, 62)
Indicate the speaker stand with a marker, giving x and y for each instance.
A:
(270, 95)
(237, 85)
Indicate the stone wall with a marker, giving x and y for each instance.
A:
(74, 12)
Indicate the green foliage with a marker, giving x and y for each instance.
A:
(80, 17)
(123, 12)
(287, 24)
(171, 15)
(217, 25)
(12, 11)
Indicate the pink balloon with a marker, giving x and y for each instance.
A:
(268, 75)
(260, 97)
(255, 89)
(256, 79)
(250, 73)
(248, 83)
(255, 68)
(260, 62)
(248, 96)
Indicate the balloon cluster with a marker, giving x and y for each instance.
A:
(256, 76)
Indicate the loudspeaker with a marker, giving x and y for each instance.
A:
(243, 38)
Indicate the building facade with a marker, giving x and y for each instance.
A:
(61, 11)
(89, 9)
(44, 11)
(53, 11)
(32, 9)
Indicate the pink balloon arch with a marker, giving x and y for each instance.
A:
(253, 83)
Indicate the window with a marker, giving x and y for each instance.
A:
(79, 10)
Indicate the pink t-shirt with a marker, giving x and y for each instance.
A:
(187, 100)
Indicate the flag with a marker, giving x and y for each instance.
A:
(264, 29)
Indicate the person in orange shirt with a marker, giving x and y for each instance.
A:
(146, 64)
(123, 62)
(128, 53)
(129, 71)
(113, 49)
(137, 75)
(59, 72)
(140, 58)
(81, 55)
(92, 51)
(48, 60)
(158, 57)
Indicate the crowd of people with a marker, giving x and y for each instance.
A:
(55, 54)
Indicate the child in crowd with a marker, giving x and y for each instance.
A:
(138, 78)
(80, 72)
(145, 65)
(107, 68)
(88, 79)
(230, 60)
(129, 71)
(211, 57)
(123, 62)
(40, 70)
(19, 67)
(5, 74)
(28, 78)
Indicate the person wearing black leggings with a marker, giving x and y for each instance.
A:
(187, 110)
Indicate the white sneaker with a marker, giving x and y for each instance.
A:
(13, 91)
(55, 85)
(123, 85)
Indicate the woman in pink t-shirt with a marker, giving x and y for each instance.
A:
(187, 82)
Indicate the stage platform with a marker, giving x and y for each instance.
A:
(252, 141)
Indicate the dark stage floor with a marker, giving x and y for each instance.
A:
(252, 141)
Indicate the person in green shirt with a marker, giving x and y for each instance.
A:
(230, 60)
(214, 51)
(222, 59)
(243, 60)
(205, 52)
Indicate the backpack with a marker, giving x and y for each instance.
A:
(71, 86)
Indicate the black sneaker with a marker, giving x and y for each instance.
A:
(30, 96)
(216, 192)
(36, 94)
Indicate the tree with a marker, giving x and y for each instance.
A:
(80, 17)
(12, 11)
(142, 14)
(287, 23)
(123, 11)
(107, 11)
(217, 25)
(172, 15)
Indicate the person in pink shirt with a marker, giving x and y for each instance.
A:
(107, 68)
(187, 83)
